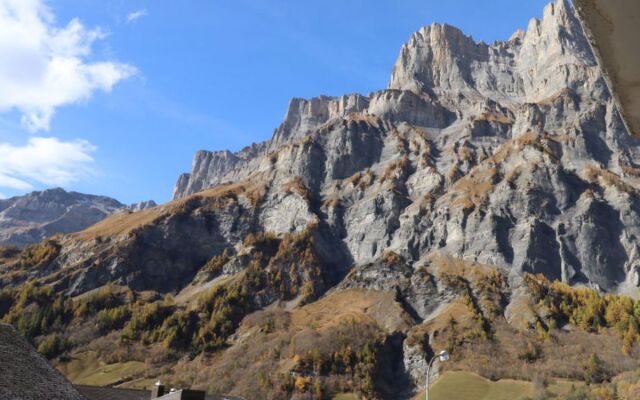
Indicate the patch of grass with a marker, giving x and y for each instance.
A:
(529, 139)
(468, 386)
(125, 223)
(606, 178)
(346, 396)
(562, 387)
(396, 169)
(361, 180)
(296, 185)
(472, 190)
(8, 252)
(370, 119)
(87, 369)
(631, 171)
(215, 264)
(40, 254)
(499, 117)
(120, 224)
(391, 257)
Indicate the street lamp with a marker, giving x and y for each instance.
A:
(443, 356)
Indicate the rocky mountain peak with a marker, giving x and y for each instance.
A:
(305, 115)
(141, 205)
(432, 58)
(437, 66)
(562, 12)
(448, 202)
(442, 59)
(473, 127)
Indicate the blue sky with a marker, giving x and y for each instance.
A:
(148, 83)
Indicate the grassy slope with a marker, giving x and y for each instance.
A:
(295, 332)
(336, 309)
(268, 352)
(468, 386)
(86, 369)
(346, 396)
(125, 222)
(462, 386)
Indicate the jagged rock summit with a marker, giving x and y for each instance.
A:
(372, 231)
(511, 154)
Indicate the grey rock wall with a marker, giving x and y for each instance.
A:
(511, 154)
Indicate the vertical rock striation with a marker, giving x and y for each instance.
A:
(512, 154)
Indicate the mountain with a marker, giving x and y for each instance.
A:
(33, 217)
(485, 202)
(511, 154)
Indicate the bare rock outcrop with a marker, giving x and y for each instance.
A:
(476, 157)
(511, 154)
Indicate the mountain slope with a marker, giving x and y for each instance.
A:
(371, 231)
(35, 216)
(511, 154)
(38, 215)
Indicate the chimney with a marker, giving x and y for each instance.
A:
(157, 391)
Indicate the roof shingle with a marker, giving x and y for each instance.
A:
(27, 375)
(111, 393)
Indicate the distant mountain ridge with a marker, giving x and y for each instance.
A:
(41, 214)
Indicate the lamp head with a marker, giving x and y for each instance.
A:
(443, 355)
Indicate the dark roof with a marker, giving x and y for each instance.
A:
(222, 397)
(27, 375)
(111, 393)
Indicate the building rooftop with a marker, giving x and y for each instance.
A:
(111, 393)
(27, 375)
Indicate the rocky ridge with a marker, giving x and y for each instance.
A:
(432, 199)
(38, 215)
(511, 154)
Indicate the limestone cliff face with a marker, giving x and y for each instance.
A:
(530, 67)
(511, 154)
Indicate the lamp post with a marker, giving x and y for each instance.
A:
(443, 356)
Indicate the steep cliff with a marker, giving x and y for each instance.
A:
(371, 230)
(511, 154)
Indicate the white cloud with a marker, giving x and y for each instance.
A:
(134, 16)
(44, 66)
(44, 160)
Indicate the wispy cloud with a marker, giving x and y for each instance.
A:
(45, 160)
(136, 15)
(44, 66)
